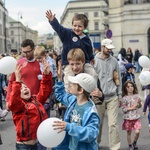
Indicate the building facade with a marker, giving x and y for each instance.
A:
(46, 39)
(19, 32)
(4, 25)
(130, 25)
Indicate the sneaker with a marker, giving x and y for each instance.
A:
(2, 119)
(4, 113)
(130, 148)
(135, 146)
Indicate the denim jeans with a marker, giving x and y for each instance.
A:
(1, 102)
(137, 66)
(25, 147)
(40, 146)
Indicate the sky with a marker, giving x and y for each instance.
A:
(33, 12)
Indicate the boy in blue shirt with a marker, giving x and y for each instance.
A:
(81, 120)
(74, 38)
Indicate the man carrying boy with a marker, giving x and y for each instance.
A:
(81, 121)
(27, 109)
(74, 38)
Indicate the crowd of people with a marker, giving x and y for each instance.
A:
(83, 83)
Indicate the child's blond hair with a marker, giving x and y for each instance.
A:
(39, 51)
(76, 54)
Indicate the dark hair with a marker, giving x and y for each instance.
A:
(83, 18)
(123, 52)
(124, 90)
(28, 42)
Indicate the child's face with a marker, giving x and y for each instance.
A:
(39, 58)
(76, 66)
(73, 89)
(130, 70)
(25, 92)
(78, 27)
(130, 88)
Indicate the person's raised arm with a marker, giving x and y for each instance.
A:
(17, 73)
(46, 67)
(50, 16)
(59, 71)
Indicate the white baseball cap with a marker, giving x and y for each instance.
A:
(86, 81)
(108, 43)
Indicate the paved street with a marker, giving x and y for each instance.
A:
(8, 133)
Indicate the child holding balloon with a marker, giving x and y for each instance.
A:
(28, 110)
(130, 105)
(81, 120)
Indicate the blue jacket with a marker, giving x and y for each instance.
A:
(86, 135)
(71, 40)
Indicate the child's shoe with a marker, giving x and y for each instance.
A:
(3, 113)
(130, 147)
(2, 119)
(135, 146)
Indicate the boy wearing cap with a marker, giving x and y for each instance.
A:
(81, 120)
(129, 73)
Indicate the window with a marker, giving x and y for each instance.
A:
(136, 1)
(96, 25)
(0, 29)
(12, 33)
(95, 14)
(12, 41)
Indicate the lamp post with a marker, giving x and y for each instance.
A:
(19, 17)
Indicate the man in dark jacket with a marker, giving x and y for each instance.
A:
(137, 54)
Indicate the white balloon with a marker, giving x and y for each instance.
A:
(8, 65)
(144, 77)
(46, 134)
(144, 61)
